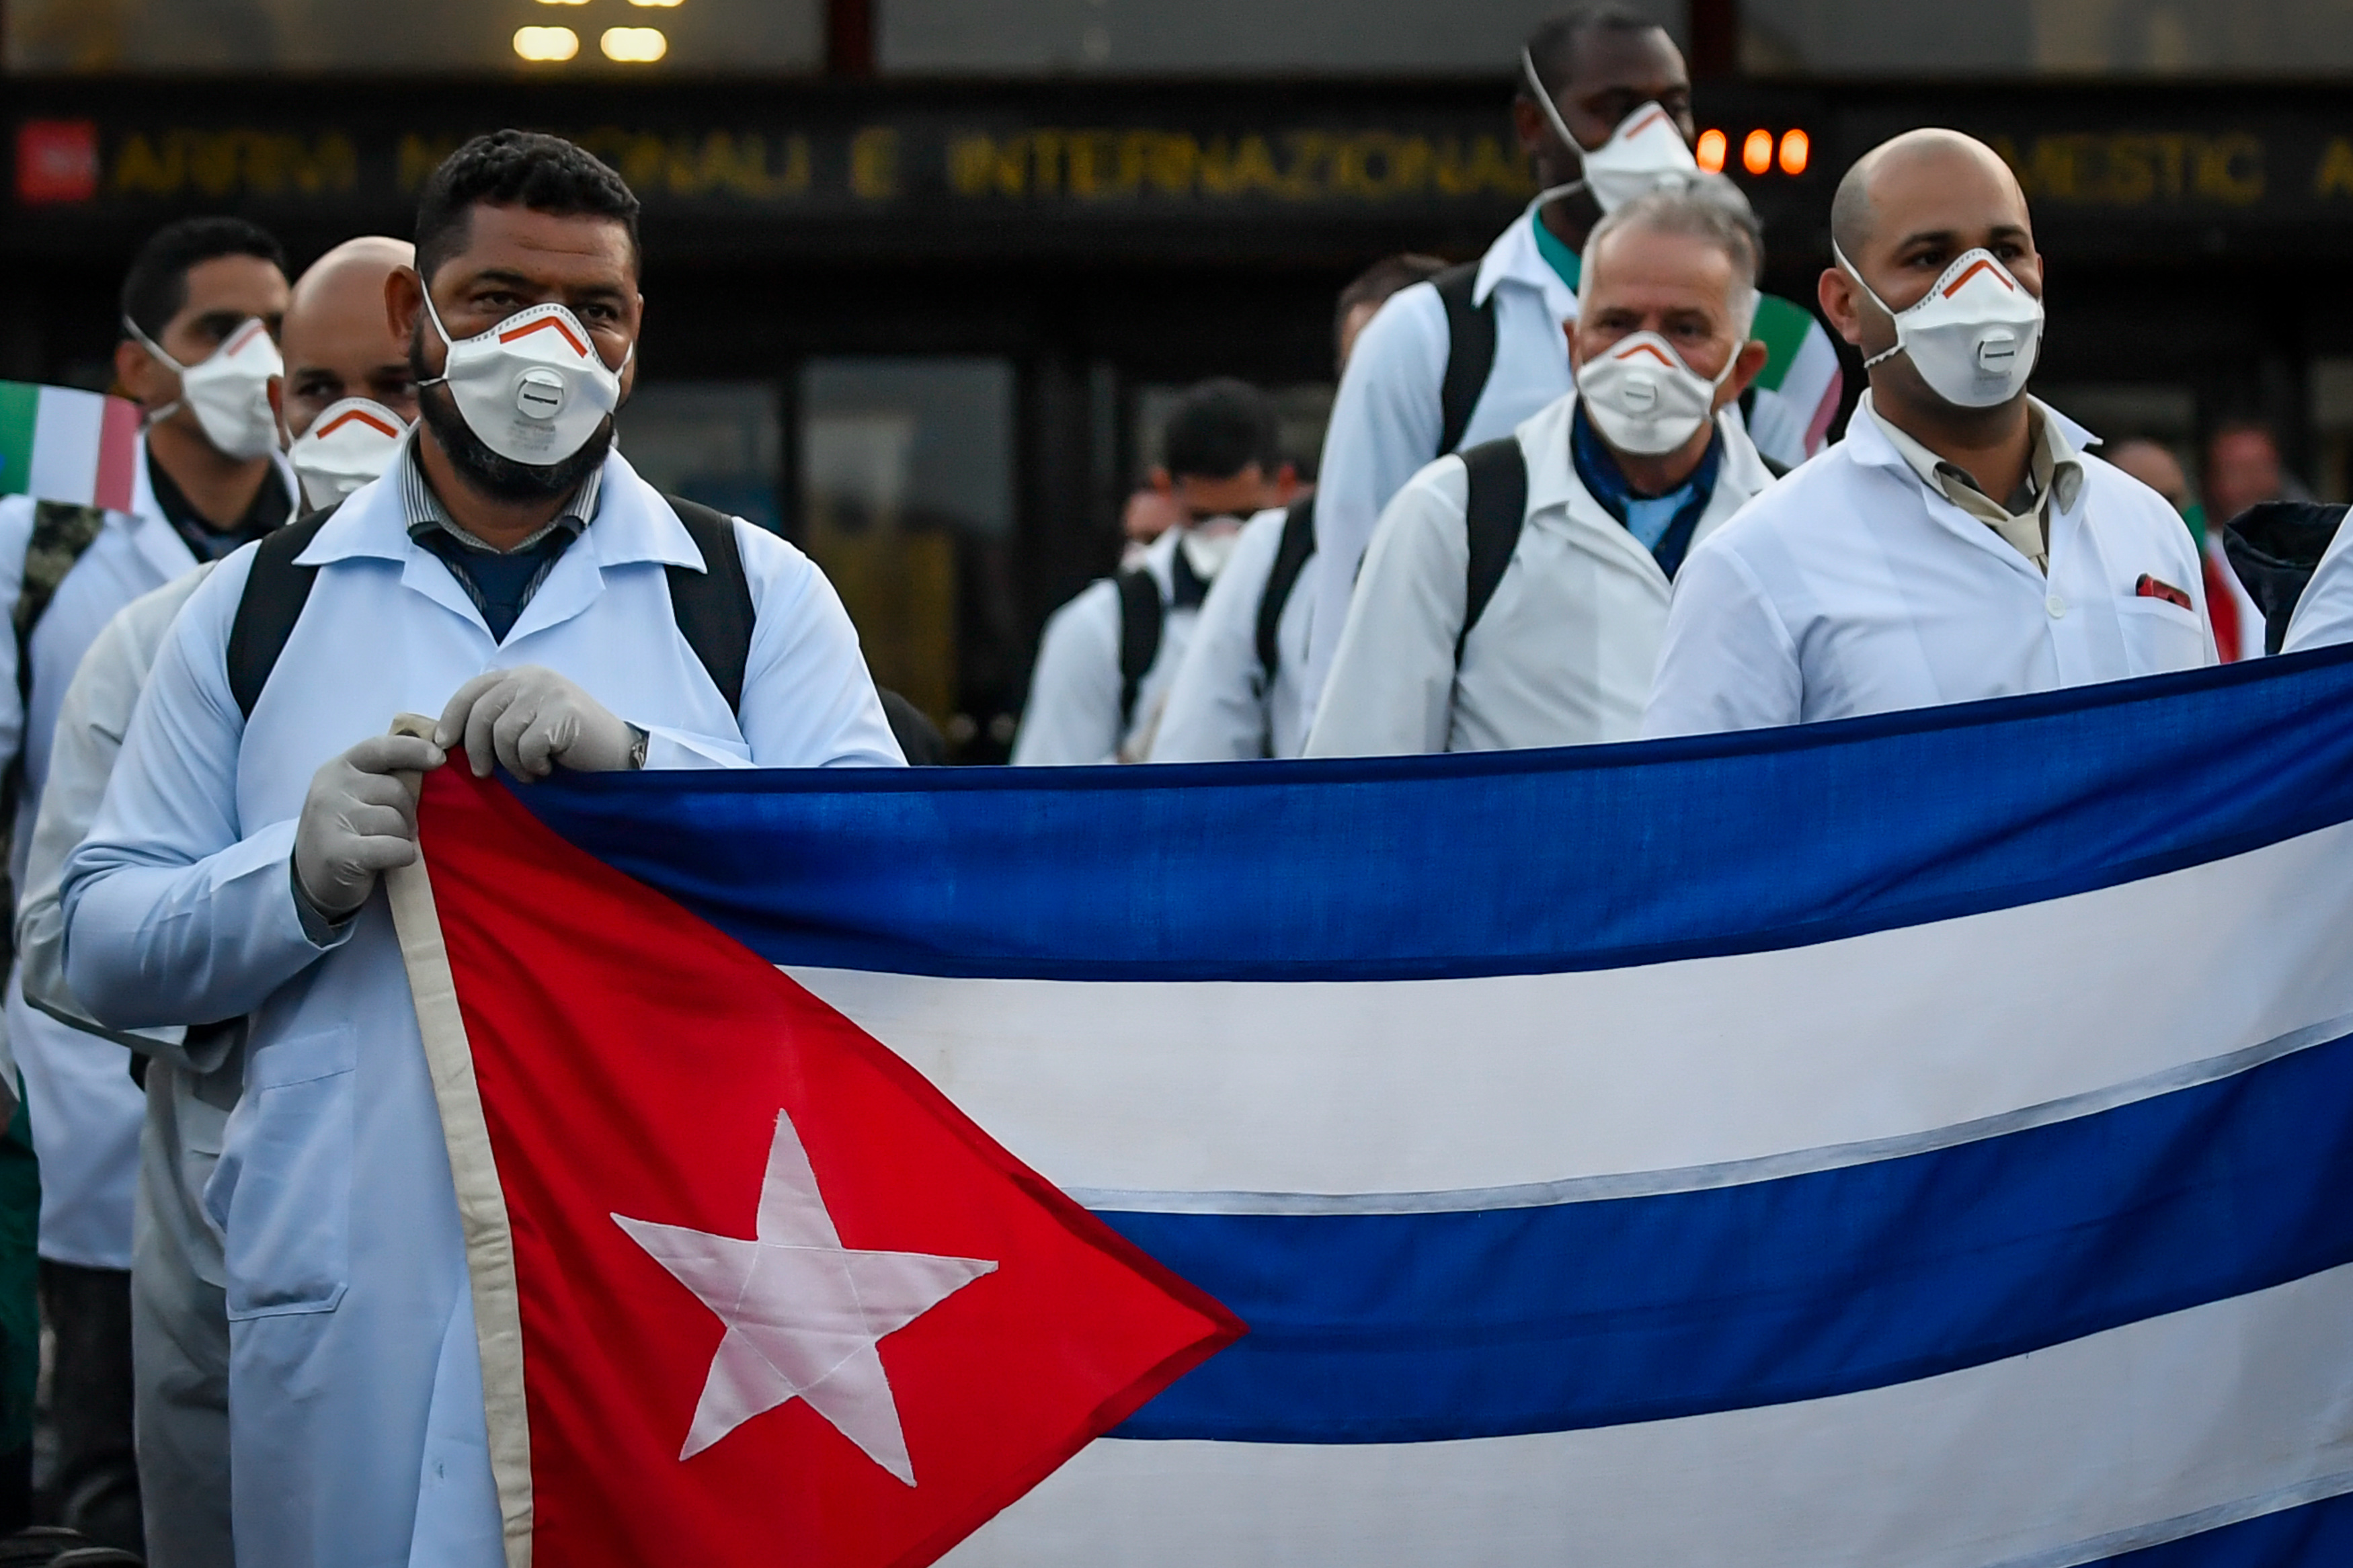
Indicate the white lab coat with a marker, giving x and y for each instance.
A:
(356, 1386)
(2324, 615)
(84, 1110)
(1564, 653)
(1221, 707)
(179, 1321)
(1073, 714)
(1386, 417)
(1851, 587)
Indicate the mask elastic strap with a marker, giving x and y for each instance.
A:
(157, 415)
(1873, 295)
(1561, 128)
(447, 342)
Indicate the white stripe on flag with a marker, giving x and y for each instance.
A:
(2143, 1434)
(1457, 1085)
(65, 445)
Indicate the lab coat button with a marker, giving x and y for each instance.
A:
(2056, 605)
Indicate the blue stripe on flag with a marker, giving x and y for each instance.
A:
(2316, 1535)
(1422, 1327)
(1576, 859)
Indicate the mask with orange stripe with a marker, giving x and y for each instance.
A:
(1972, 337)
(350, 443)
(533, 387)
(1643, 398)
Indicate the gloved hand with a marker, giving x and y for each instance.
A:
(358, 821)
(530, 720)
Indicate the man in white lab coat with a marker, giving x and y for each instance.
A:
(1241, 691)
(1108, 658)
(1514, 596)
(1604, 113)
(199, 315)
(1960, 543)
(512, 573)
(343, 368)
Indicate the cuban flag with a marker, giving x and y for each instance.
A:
(1922, 1142)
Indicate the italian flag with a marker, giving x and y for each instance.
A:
(1796, 392)
(58, 443)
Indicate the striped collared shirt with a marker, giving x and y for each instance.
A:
(431, 525)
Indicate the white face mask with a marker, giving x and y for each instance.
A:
(1973, 337)
(533, 388)
(1209, 544)
(229, 391)
(1643, 398)
(1646, 151)
(349, 443)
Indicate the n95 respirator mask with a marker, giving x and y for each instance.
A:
(229, 391)
(1646, 151)
(1972, 337)
(350, 444)
(1642, 397)
(533, 388)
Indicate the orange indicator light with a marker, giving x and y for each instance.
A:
(1795, 148)
(1711, 150)
(1756, 151)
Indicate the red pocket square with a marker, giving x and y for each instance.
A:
(2150, 587)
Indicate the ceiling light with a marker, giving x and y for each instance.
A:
(546, 43)
(634, 45)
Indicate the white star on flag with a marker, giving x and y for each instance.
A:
(803, 1312)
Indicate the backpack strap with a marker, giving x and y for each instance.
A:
(1493, 513)
(713, 606)
(1469, 352)
(1290, 559)
(62, 532)
(1139, 638)
(276, 589)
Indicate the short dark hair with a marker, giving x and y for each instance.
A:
(1220, 427)
(1553, 45)
(516, 168)
(155, 289)
(1382, 278)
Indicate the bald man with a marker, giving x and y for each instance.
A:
(348, 390)
(1958, 543)
(342, 359)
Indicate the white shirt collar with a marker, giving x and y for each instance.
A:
(1514, 258)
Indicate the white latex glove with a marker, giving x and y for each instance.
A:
(359, 821)
(531, 719)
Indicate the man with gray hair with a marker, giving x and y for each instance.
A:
(1516, 594)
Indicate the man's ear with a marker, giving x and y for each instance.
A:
(1286, 484)
(404, 303)
(1746, 364)
(1840, 303)
(1160, 480)
(144, 380)
(1528, 125)
(278, 400)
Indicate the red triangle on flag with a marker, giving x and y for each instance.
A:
(781, 1301)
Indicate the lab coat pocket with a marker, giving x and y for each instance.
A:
(2160, 636)
(289, 1215)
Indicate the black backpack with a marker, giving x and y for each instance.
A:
(1469, 352)
(1291, 557)
(713, 607)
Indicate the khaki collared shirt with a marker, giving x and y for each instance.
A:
(2053, 468)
